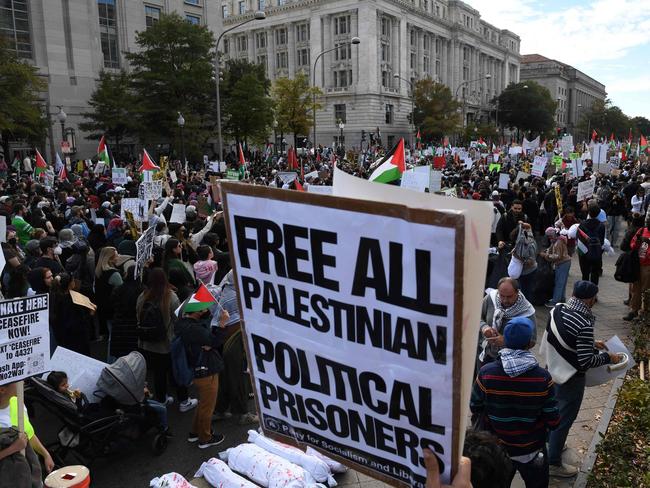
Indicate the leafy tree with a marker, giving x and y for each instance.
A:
(605, 119)
(435, 110)
(528, 109)
(640, 125)
(173, 72)
(246, 105)
(294, 104)
(21, 113)
(112, 113)
(488, 132)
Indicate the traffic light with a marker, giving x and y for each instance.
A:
(363, 135)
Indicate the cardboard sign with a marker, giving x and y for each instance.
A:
(82, 300)
(558, 200)
(469, 162)
(24, 338)
(586, 189)
(345, 264)
(413, 180)
(215, 167)
(576, 168)
(504, 181)
(119, 176)
(178, 214)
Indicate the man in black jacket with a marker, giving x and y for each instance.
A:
(591, 263)
(509, 223)
(201, 346)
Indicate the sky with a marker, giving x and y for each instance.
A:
(608, 40)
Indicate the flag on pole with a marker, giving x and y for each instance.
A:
(63, 174)
(292, 160)
(593, 135)
(391, 166)
(102, 152)
(643, 144)
(242, 163)
(147, 162)
(418, 140)
(41, 165)
(58, 164)
(299, 187)
(200, 300)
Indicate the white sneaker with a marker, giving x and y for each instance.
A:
(562, 471)
(169, 400)
(188, 405)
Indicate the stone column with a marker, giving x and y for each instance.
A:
(291, 48)
(368, 80)
(270, 52)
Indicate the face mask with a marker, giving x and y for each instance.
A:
(12, 241)
(57, 251)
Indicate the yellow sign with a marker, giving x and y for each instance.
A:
(558, 200)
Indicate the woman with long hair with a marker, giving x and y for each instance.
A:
(159, 300)
(18, 284)
(124, 336)
(172, 260)
(107, 278)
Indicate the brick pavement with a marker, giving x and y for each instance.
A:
(609, 312)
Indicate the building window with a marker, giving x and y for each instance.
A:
(224, 12)
(281, 2)
(339, 113)
(437, 10)
(14, 26)
(226, 46)
(261, 60)
(261, 4)
(302, 56)
(342, 78)
(389, 113)
(437, 47)
(260, 40)
(192, 2)
(108, 33)
(414, 37)
(281, 37)
(242, 43)
(343, 51)
(426, 42)
(425, 5)
(193, 19)
(341, 25)
(385, 27)
(385, 79)
(438, 70)
(242, 7)
(151, 15)
(302, 33)
(426, 65)
(465, 54)
(385, 53)
(281, 60)
(465, 73)
(412, 61)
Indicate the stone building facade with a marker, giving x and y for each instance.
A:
(72, 41)
(574, 91)
(442, 39)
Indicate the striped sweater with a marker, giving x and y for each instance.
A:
(575, 325)
(519, 410)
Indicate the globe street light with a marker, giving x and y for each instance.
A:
(181, 124)
(355, 41)
(259, 15)
(62, 116)
(398, 77)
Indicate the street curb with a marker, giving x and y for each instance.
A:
(590, 458)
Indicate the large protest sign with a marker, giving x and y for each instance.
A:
(309, 296)
(24, 338)
(152, 190)
(504, 181)
(83, 371)
(585, 189)
(416, 180)
(144, 248)
(435, 181)
(178, 214)
(136, 206)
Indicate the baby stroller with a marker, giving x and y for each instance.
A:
(100, 429)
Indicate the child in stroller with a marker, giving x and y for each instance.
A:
(122, 415)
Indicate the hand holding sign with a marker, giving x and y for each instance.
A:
(463, 478)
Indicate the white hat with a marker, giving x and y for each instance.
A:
(106, 204)
(495, 193)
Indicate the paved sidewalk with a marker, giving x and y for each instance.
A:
(609, 313)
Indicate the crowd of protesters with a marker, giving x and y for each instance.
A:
(71, 235)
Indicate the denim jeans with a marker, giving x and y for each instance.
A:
(569, 398)
(535, 472)
(613, 226)
(561, 277)
(161, 412)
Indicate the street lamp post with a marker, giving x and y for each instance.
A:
(259, 15)
(487, 77)
(341, 146)
(410, 84)
(181, 124)
(355, 41)
(62, 117)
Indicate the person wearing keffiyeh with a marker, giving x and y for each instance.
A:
(500, 305)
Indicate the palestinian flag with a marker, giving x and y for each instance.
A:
(593, 135)
(41, 165)
(102, 152)
(292, 159)
(242, 163)
(418, 140)
(202, 299)
(643, 144)
(391, 166)
(299, 187)
(582, 242)
(147, 162)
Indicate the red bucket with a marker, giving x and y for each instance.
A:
(69, 477)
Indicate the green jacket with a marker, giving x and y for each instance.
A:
(23, 229)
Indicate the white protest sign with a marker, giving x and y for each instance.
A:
(119, 176)
(3, 228)
(469, 162)
(435, 183)
(172, 176)
(152, 190)
(322, 189)
(495, 157)
(3, 262)
(585, 189)
(348, 263)
(144, 248)
(513, 151)
(602, 374)
(287, 176)
(147, 176)
(504, 181)
(566, 144)
(313, 174)
(223, 167)
(530, 145)
(522, 175)
(99, 168)
(577, 168)
(83, 371)
(178, 214)
(24, 338)
(133, 205)
(415, 180)
(215, 167)
(539, 165)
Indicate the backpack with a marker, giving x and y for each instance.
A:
(594, 249)
(628, 267)
(181, 369)
(151, 327)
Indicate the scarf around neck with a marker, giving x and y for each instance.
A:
(516, 362)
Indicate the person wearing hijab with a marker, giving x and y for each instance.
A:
(66, 240)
